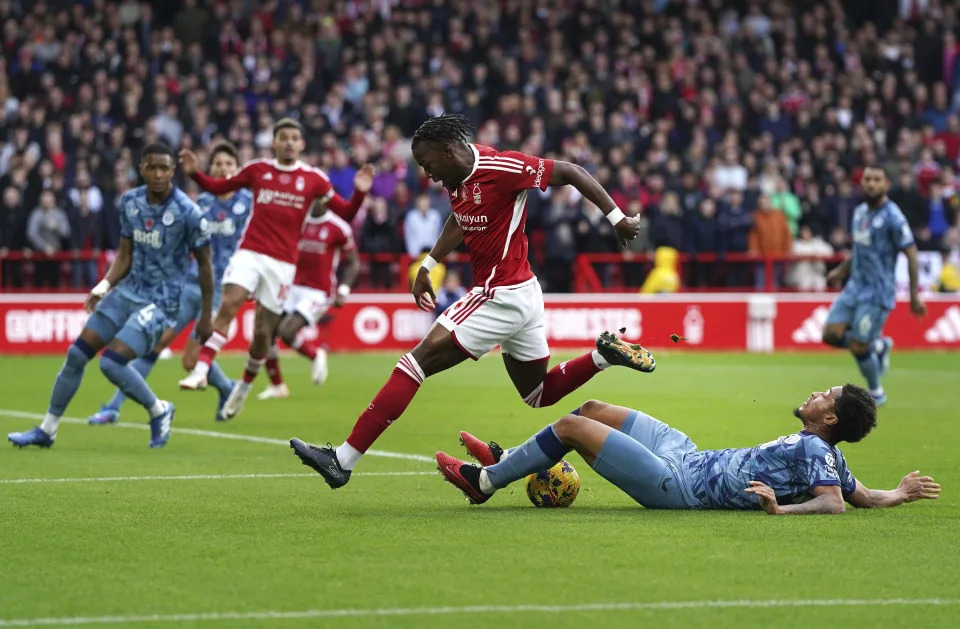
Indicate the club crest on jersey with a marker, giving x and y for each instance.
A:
(476, 194)
(167, 218)
(301, 184)
(878, 222)
(239, 208)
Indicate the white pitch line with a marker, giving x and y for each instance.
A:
(117, 479)
(476, 609)
(211, 433)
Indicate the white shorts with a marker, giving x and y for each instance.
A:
(266, 278)
(508, 316)
(309, 303)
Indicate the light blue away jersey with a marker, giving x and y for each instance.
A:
(227, 218)
(878, 236)
(163, 237)
(792, 466)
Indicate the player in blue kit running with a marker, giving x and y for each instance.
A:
(659, 467)
(227, 216)
(159, 227)
(880, 231)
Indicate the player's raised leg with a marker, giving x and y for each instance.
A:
(84, 348)
(857, 326)
(436, 352)
(231, 300)
(215, 377)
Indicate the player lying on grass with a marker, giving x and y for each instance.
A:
(659, 467)
(488, 194)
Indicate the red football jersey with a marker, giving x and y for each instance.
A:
(282, 196)
(321, 243)
(490, 206)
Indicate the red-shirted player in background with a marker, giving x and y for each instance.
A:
(488, 192)
(325, 243)
(264, 264)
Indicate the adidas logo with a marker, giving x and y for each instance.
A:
(811, 330)
(946, 329)
(268, 177)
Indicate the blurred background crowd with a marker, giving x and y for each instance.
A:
(729, 127)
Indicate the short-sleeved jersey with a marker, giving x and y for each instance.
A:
(792, 466)
(163, 237)
(490, 206)
(282, 196)
(878, 236)
(321, 243)
(227, 219)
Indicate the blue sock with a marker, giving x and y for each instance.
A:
(68, 380)
(118, 371)
(540, 452)
(218, 379)
(143, 365)
(870, 368)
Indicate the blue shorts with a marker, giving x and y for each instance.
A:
(191, 305)
(644, 460)
(865, 319)
(136, 322)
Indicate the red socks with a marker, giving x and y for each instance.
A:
(562, 380)
(389, 403)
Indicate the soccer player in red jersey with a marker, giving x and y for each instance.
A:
(284, 189)
(488, 192)
(324, 243)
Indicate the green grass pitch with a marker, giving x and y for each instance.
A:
(405, 550)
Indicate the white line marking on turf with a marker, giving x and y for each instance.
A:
(210, 433)
(477, 609)
(116, 479)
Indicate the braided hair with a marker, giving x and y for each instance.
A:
(448, 128)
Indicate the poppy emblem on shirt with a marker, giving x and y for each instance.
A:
(221, 216)
(301, 184)
(148, 223)
(284, 179)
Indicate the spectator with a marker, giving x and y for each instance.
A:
(911, 202)
(788, 203)
(86, 228)
(703, 236)
(380, 236)
(664, 277)
(13, 236)
(561, 244)
(949, 279)
(47, 228)
(770, 237)
(730, 174)
(809, 275)
(941, 216)
(421, 227)
(736, 223)
(437, 274)
(451, 291)
(666, 223)
(342, 174)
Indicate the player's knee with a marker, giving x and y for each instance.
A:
(831, 337)
(858, 348)
(111, 363)
(590, 408)
(78, 355)
(568, 428)
(287, 333)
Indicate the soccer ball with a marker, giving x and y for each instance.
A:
(556, 487)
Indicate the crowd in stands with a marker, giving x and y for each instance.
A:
(727, 126)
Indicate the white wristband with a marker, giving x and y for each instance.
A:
(343, 290)
(101, 288)
(615, 216)
(428, 263)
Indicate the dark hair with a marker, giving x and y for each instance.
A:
(877, 167)
(225, 147)
(287, 123)
(447, 128)
(158, 148)
(856, 413)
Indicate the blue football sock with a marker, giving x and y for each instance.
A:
(68, 380)
(143, 365)
(870, 368)
(540, 452)
(118, 371)
(218, 379)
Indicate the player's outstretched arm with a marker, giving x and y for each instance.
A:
(567, 174)
(214, 185)
(826, 499)
(204, 326)
(450, 237)
(912, 487)
(117, 271)
(347, 210)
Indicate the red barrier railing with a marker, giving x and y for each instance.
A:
(389, 272)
